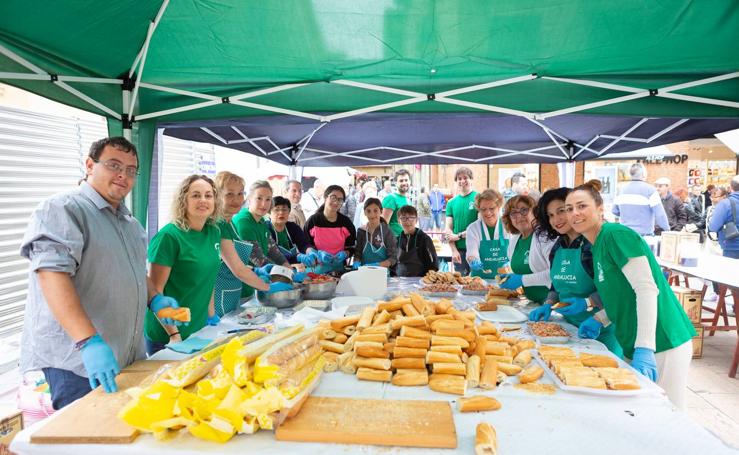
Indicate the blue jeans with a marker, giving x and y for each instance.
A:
(152, 347)
(438, 220)
(65, 386)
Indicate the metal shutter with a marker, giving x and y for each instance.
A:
(40, 155)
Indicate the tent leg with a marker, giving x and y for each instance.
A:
(567, 174)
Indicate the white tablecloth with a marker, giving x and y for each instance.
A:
(563, 423)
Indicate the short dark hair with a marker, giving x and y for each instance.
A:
(407, 210)
(400, 172)
(279, 200)
(463, 171)
(516, 177)
(118, 142)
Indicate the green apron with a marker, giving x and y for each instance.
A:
(520, 266)
(570, 279)
(493, 253)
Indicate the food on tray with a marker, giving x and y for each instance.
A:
(476, 284)
(486, 441)
(487, 306)
(446, 277)
(547, 329)
(596, 371)
(316, 278)
(439, 288)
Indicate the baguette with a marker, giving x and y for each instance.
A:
(449, 324)
(181, 314)
(458, 369)
(500, 358)
(339, 324)
(418, 303)
(381, 328)
(478, 403)
(410, 310)
(389, 346)
(415, 332)
(400, 352)
(473, 371)
(468, 335)
(523, 358)
(486, 441)
(489, 375)
(410, 377)
(349, 343)
(408, 342)
(414, 321)
(509, 369)
(368, 374)
(437, 340)
(332, 362)
(448, 383)
(374, 363)
(376, 337)
(372, 352)
(327, 334)
(531, 374)
(381, 318)
(442, 357)
(370, 344)
(365, 319)
(498, 348)
(349, 330)
(331, 346)
(436, 317)
(409, 363)
(443, 306)
(389, 306)
(447, 348)
(481, 344)
(346, 364)
(340, 338)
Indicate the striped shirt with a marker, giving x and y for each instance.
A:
(639, 207)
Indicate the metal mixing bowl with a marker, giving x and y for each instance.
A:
(281, 299)
(319, 291)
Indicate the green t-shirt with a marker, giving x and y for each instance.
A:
(252, 230)
(520, 265)
(394, 202)
(194, 258)
(613, 248)
(282, 239)
(228, 233)
(463, 212)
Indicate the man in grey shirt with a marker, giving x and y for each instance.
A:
(88, 290)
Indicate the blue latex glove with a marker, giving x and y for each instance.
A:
(357, 265)
(541, 314)
(590, 328)
(373, 264)
(299, 277)
(514, 281)
(308, 259)
(325, 257)
(645, 363)
(576, 305)
(264, 270)
(100, 363)
(340, 256)
(265, 278)
(279, 286)
(159, 302)
(475, 265)
(213, 320)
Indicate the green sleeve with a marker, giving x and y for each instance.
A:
(450, 206)
(389, 203)
(624, 245)
(163, 249)
(226, 229)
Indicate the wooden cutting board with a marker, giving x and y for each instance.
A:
(92, 419)
(378, 422)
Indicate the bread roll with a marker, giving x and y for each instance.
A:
(448, 383)
(473, 371)
(486, 441)
(450, 368)
(368, 374)
(412, 363)
(531, 374)
(410, 377)
(478, 403)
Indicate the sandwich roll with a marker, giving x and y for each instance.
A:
(410, 310)
(400, 352)
(477, 403)
(442, 357)
(486, 441)
(447, 348)
(365, 319)
(374, 363)
(331, 346)
(376, 337)
(340, 338)
(489, 375)
(473, 371)
(409, 342)
(381, 318)
(448, 383)
(450, 368)
(410, 377)
(368, 374)
(409, 363)
(339, 324)
(531, 374)
(415, 332)
(372, 352)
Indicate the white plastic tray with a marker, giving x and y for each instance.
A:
(647, 386)
(505, 314)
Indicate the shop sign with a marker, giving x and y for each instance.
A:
(661, 159)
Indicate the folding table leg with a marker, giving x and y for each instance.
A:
(720, 309)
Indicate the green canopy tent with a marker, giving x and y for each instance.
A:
(147, 62)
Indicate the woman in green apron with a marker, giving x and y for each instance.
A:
(572, 269)
(228, 287)
(651, 326)
(528, 250)
(288, 236)
(487, 242)
(376, 244)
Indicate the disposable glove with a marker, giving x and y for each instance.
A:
(160, 302)
(279, 286)
(576, 305)
(475, 265)
(373, 264)
(541, 314)
(357, 265)
(514, 281)
(590, 328)
(325, 257)
(264, 270)
(340, 256)
(100, 363)
(309, 259)
(645, 363)
(299, 277)
(213, 320)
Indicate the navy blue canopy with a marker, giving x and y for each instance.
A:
(422, 138)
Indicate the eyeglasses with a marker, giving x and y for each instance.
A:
(407, 218)
(334, 198)
(280, 210)
(118, 168)
(521, 212)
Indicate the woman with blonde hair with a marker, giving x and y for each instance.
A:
(528, 250)
(235, 252)
(487, 241)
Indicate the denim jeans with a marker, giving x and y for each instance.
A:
(438, 220)
(65, 386)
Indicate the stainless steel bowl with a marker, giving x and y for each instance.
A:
(281, 299)
(319, 291)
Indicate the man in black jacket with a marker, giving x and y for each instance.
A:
(676, 214)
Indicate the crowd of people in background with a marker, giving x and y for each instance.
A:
(89, 258)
